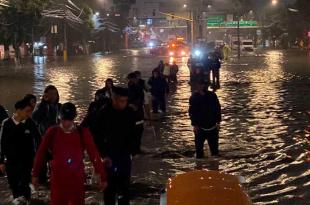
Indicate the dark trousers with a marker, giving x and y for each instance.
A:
(19, 178)
(138, 137)
(158, 101)
(118, 182)
(213, 140)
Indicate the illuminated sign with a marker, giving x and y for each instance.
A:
(233, 24)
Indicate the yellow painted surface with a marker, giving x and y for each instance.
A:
(205, 188)
(65, 54)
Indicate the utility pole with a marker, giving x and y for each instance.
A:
(237, 12)
(238, 33)
(65, 51)
(192, 29)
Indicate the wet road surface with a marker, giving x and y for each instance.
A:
(264, 134)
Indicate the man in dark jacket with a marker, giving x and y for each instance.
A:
(19, 141)
(114, 132)
(205, 114)
(136, 102)
(159, 90)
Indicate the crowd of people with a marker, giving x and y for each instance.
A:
(41, 142)
(201, 67)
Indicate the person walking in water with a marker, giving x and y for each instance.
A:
(215, 68)
(102, 97)
(136, 102)
(107, 90)
(114, 134)
(205, 115)
(45, 115)
(159, 90)
(67, 143)
(19, 141)
(174, 69)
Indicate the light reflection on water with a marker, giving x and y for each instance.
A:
(264, 136)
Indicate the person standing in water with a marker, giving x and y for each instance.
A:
(205, 115)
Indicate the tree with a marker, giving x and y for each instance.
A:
(17, 20)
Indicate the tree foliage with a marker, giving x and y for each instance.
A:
(18, 19)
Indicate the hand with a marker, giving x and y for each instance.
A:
(2, 168)
(196, 129)
(107, 162)
(35, 182)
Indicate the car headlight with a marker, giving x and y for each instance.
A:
(197, 53)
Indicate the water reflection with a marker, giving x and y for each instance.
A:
(265, 129)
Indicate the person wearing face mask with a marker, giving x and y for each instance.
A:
(19, 141)
(67, 143)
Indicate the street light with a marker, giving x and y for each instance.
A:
(274, 2)
(185, 6)
(97, 14)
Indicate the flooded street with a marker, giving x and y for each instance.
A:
(264, 135)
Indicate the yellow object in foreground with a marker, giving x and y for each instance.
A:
(206, 188)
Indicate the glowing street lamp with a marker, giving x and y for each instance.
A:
(185, 6)
(97, 14)
(274, 2)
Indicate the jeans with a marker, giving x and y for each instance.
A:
(213, 140)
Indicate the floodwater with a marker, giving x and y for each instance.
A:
(264, 135)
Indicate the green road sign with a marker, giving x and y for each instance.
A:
(232, 24)
(215, 19)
